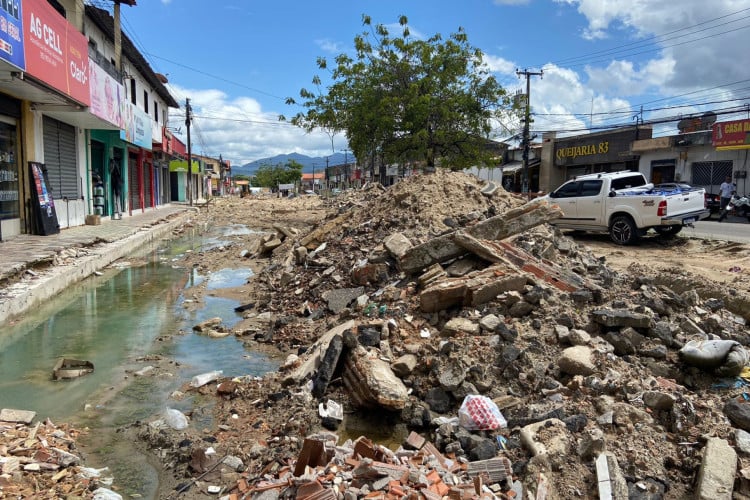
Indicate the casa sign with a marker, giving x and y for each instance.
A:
(731, 135)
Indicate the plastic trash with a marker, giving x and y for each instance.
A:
(105, 494)
(331, 409)
(480, 413)
(726, 357)
(204, 378)
(175, 419)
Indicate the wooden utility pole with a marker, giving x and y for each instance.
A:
(526, 139)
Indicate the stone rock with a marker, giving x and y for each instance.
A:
(484, 450)
(658, 401)
(300, 255)
(438, 399)
(17, 416)
(209, 324)
(716, 474)
(490, 322)
(592, 444)
(520, 309)
(554, 440)
(327, 366)
(370, 274)
(624, 414)
(457, 326)
(397, 245)
(339, 299)
(404, 365)
(738, 412)
(579, 337)
(742, 438)
(626, 341)
(452, 376)
(578, 360)
(622, 318)
(562, 333)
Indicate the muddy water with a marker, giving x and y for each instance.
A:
(114, 321)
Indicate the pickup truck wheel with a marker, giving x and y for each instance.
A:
(668, 231)
(623, 231)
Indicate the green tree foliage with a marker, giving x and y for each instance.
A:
(272, 175)
(404, 99)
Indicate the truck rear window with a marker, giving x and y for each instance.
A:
(628, 182)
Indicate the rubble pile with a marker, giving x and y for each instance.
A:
(410, 310)
(408, 302)
(40, 461)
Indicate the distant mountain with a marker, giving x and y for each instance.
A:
(308, 163)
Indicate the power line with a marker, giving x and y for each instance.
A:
(656, 38)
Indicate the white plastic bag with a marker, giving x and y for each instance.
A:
(175, 419)
(480, 413)
(105, 494)
(204, 378)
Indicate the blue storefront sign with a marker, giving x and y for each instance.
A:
(11, 33)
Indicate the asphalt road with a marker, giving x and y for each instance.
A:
(731, 229)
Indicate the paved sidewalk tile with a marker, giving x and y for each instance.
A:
(23, 251)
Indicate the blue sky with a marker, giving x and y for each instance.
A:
(238, 60)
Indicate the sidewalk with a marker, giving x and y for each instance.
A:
(107, 242)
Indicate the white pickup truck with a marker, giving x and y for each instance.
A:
(626, 205)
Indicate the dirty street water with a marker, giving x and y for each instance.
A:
(375, 345)
(131, 316)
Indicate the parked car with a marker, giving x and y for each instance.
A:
(712, 201)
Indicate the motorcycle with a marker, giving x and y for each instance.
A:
(739, 204)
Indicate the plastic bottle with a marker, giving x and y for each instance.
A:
(204, 378)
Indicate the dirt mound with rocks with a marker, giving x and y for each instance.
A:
(586, 366)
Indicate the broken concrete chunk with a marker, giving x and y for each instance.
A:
(397, 245)
(404, 365)
(457, 326)
(622, 318)
(716, 475)
(578, 360)
(371, 382)
(554, 440)
(339, 299)
(17, 416)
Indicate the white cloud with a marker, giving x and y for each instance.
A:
(500, 65)
(166, 2)
(240, 130)
(329, 46)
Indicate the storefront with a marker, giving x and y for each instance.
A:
(591, 153)
(10, 178)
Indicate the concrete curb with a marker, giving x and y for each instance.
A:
(56, 280)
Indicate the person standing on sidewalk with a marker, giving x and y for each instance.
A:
(116, 179)
(725, 191)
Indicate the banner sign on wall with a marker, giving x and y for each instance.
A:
(56, 53)
(136, 126)
(44, 209)
(11, 39)
(731, 135)
(106, 93)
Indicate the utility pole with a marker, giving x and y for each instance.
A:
(527, 119)
(188, 117)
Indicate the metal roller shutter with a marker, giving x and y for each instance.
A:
(134, 183)
(60, 159)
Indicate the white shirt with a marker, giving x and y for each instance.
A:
(726, 189)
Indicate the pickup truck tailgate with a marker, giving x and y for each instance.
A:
(686, 202)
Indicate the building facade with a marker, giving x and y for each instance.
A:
(66, 118)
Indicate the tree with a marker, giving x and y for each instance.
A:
(272, 175)
(402, 99)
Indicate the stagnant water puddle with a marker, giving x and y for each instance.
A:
(114, 321)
